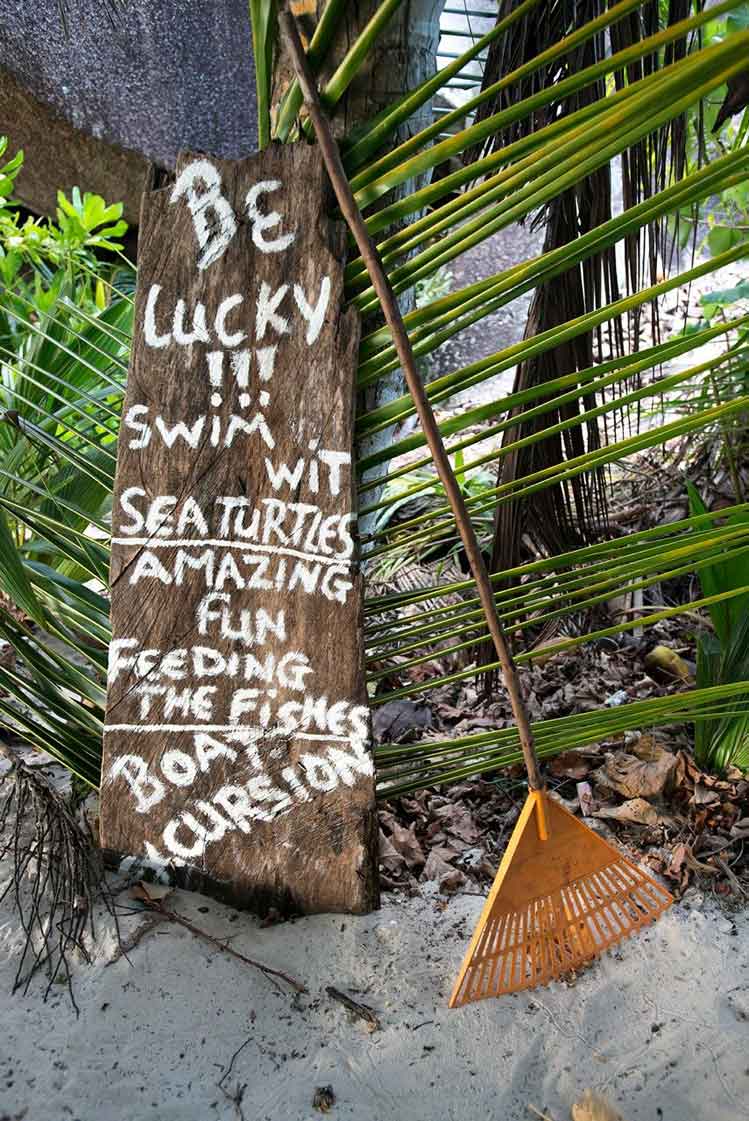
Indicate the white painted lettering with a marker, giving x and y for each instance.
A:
(150, 330)
(214, 235)
(147, 790)
(269, 221)
(266, 313)
(314, 316)
(224, 308)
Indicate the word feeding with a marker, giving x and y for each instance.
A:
(237, 752)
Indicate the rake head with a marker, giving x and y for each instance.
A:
(562, 895)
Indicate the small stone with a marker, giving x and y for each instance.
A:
(323, 1099)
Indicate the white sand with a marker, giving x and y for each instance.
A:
(659, 1026)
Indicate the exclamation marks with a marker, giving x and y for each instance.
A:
(266, 360)
(215, 375)
(239, 361)
(240, 367)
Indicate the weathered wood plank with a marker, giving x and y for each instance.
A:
(237, 742)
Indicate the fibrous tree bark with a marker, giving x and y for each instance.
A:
(403, 56)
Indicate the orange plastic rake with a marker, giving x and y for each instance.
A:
(561, 894)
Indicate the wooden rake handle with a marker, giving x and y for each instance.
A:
(394, 319)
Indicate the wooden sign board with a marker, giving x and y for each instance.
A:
(236, 749)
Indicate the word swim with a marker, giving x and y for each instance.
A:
(213, 431)
(252, 796)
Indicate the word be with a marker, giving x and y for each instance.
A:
(213, 217)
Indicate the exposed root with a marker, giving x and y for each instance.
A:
(56, 875)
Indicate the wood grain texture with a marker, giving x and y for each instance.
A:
(237, 745)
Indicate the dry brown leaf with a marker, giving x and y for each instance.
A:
(390, 859)
(635, 809)
(150, 893)
(404, 841)
(571, 764)
(452, 881)
(642, 774)
(436, 866)
(680, 865)
(687, 769)
(704, 795)
(454, 818)
(594, 1107)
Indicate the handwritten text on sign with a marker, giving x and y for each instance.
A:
(237, 737)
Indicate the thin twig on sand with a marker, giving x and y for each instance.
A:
(236, 1098)
(538, 1113)
(157, 905)
(355, 1007)
(128, 944)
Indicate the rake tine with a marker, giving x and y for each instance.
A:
(588, 897)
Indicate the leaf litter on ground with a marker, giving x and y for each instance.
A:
(643, 790)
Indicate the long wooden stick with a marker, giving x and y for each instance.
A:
(394, 320)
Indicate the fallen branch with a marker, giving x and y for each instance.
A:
(730, 875)
(355, 1007)
(129, 944)
(143, 892)
(538, 1113)
(237, 1097)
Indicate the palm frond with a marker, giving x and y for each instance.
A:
(546, 121)
(405, 767)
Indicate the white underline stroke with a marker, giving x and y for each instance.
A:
(215, 543)
(258, 732)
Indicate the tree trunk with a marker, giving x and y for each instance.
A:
(403, 56)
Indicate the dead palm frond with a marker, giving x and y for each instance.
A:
(56, 874)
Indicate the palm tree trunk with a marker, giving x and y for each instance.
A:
(403, 55)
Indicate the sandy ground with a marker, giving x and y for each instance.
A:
(659, 1026)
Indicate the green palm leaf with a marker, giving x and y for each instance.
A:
(63, 356)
